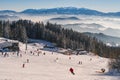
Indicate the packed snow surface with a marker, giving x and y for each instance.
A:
(52, 66)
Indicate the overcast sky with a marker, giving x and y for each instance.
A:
(100, 5)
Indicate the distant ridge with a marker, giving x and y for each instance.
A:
(64, 10)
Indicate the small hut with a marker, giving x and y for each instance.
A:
(81, 52)
(10, 46)
(68, 52)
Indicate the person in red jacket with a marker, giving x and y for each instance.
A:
(72, 71)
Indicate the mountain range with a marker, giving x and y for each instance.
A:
(64, 10)
(70, 10)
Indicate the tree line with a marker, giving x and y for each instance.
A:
(23, 29)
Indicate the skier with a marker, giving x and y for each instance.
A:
(37, 49)
(38, 53)
(23, 65)
(90, 59)
(69, 57)
(27, 60)
(44, 53)
(56, 60)
(79, 62)
(20, 55)
(2, 52)
(13, 53)
(31, 52)
(52, 52)
(103, 70)
(5, 54)
(72, 71)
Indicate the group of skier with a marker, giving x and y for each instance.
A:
(38, 52)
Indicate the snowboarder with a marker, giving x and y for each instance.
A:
(72, 71)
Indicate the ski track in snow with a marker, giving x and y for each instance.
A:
(46, 67)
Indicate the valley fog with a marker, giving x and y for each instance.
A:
(83, 23)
